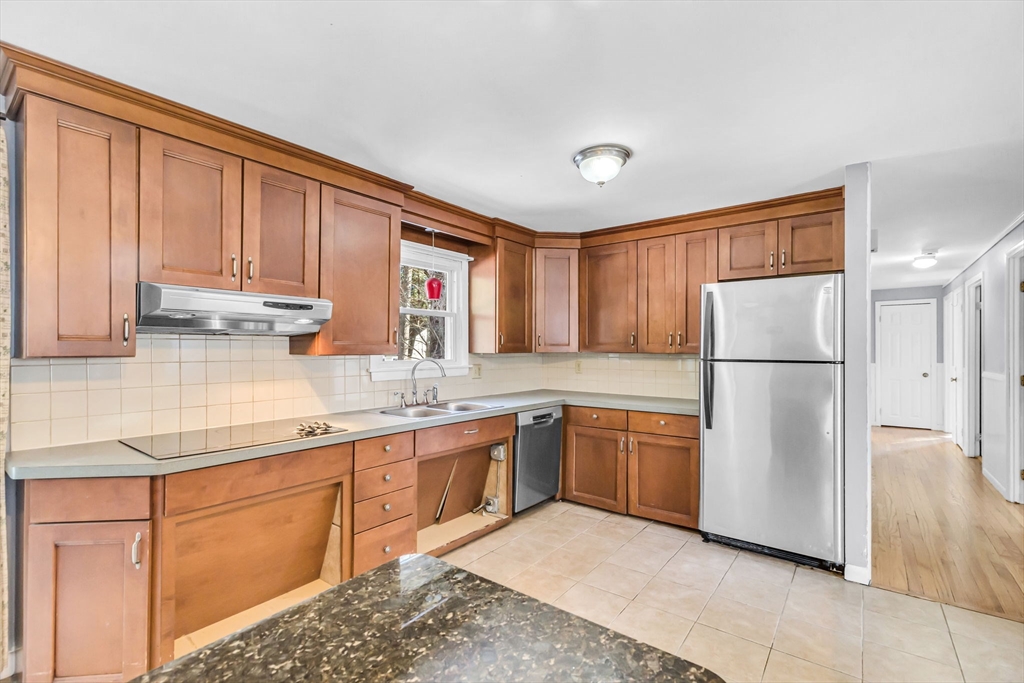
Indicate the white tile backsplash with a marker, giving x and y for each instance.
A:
(192, 382)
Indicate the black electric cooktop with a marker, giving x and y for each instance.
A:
(215, 439)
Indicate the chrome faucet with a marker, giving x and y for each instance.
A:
(415, 400)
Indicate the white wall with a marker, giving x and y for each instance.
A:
(995, 445)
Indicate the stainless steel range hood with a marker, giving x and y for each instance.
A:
(171, 309)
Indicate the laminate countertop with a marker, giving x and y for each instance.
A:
(418, 618)
(114, 459)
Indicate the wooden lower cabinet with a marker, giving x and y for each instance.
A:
(664, 478)
(86, 601)
(595, 467)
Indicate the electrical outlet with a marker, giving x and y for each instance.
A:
(491, 504)
(476, 371)
(579, 367)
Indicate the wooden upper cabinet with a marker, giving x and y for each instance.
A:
(696, 264)
(190, 214)
(79, 236)
(746, 251)
(360, 257)
(280, 232)
(664, 478)
(608, 298)
(656, 294)
(812, 244)
(515, 297)
(556, 293)
(86, 601)
(595, 467)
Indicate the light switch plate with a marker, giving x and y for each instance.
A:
(476, 371)
(579, 367)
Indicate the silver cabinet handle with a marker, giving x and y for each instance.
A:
(771, 260)
(124, 339)
(679, 339)
(622, 445)
(501, 339)
(670, 340)
(661, 422)
(387, 550)
(387, 449)
(783, 264)
(136, 560)
(387, 477)
(594, 416)
(251, 269)
(396, 336)
(632, 339)
(539, 342)
(471, 431)
(630, 444)
(234, 267)
(387, 507)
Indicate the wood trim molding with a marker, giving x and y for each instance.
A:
(558, 240)
(22, 71)
(514, 233)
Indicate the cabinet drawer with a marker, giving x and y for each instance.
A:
(383, 450)
(687, 426)
(373, 512)
(377, 481)
(86, 500)
(464, 434)
(377, 546)
(603, 418)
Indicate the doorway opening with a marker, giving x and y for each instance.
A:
(905, 342)
(973, 312)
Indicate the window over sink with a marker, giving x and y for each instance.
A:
(437, 329)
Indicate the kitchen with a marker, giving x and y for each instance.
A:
(226, 417)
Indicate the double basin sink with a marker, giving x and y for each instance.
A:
(437, 409)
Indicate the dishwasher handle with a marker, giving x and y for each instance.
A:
(545, 420)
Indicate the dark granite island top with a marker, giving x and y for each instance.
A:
(418, 618)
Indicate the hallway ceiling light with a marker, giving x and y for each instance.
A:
(925, 260)
(601, 163)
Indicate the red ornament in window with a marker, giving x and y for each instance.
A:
(433, 287)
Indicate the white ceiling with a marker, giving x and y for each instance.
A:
(484, 104)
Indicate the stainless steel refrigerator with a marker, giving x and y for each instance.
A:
(771, 394)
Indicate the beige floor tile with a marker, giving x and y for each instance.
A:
(831, 649)
(674, 597)
(1002, 632)
(460, 557)
(985, 662)
(653, 626)
(905, 607)
(733, 658)
(783, 668)
(907, 636)
(885, 665)
(616, 579)
(766, 596)
(540, 584)
(641, 557)
(761, 568)
(573, 520)
(591, 603)
(613, 531)
(496, 567)
(826, 584)
(526, 549)
(637, 523)
(496, 539)
(656, 541)
(573, 563)
(588, 511)
(547, 511)
(740, 620)
(814, 608)
(691, 573)
(709, 554)
(552, 533)
(673, 531)
(588, 543)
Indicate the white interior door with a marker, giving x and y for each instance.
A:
(955, 362)
(906, 358)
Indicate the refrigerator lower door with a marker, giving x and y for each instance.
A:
(771, 455)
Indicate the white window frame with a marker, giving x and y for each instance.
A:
(385, 368)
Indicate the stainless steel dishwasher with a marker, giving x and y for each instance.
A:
(538, 457)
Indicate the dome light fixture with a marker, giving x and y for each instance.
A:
(925, 260)
(601, 163)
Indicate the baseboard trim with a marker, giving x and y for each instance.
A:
(995, 483)
(857, 574)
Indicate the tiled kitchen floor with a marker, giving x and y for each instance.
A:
(744, 616)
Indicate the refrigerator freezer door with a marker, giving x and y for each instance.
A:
(786, 318)
(770, 453)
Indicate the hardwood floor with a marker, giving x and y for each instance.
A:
(939, 529)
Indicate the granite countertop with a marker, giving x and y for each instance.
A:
(114, 459)
(418, 618)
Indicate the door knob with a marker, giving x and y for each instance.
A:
(952, 379)
(924, 374)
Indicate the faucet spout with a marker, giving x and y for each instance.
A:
(416, 367)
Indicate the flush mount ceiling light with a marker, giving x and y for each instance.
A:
(601, 163)
(925, 260)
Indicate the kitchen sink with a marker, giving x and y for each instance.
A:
(461, 407)
(418, 412)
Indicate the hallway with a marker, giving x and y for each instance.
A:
(939, 529)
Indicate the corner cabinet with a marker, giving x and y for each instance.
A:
(696, 265)
(79, 233)
(360, 257)
(608, 298)
(556, 296)
(501, 298)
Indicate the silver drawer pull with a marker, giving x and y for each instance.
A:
(387, 449)
(594, 416)
(126, 330)
(661, 422)
(136, 560)
(234, 267)
(251, 272)
(387, 550)
(387, 507)
(387, 477)
(471, 431)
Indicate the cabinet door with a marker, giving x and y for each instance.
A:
(80, 240)
(557, 293)
(595, 467)
(190, 214)
(696, 264)
(812, 244)
(608, 292)
(656, 294)
(360, 256)
(280, 232)
(515, 297)
(664, 478)
(86, 601)
(746, 251)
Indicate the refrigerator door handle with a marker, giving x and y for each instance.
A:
(708, 326)
(709, 392)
